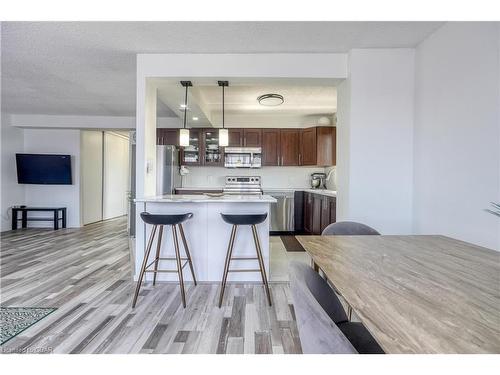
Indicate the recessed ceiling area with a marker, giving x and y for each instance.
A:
(89, 68)
(303, 103)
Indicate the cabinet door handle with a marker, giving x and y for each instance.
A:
(278, 161)
(300, 159)
(281, 160)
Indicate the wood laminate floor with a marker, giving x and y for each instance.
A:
(85, 274)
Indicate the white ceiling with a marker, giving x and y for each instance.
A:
(88, 68)
(302, 103)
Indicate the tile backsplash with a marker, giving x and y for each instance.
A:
(272, 177)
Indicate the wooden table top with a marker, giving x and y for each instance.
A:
(416, 294)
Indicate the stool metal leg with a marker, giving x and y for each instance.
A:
(226, 265)
(261, 263)
(188, 254)
(144, 263)
(157, 259)
(179, 265)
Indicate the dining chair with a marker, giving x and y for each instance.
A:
(317, 331)
(348, 228)
(321, 320)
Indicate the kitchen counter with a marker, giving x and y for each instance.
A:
(226, 198)
(328, 193)
(207, 234)
(201, 188)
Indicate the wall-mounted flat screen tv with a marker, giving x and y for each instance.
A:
(44, 169)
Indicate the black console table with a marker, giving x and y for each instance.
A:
(24, 216)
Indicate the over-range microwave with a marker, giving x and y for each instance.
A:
(243, 157)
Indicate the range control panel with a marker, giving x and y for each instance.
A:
(243, 185)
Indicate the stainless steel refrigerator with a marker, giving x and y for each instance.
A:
(167, 169)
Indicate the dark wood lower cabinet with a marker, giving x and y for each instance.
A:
(308, 212)
(319, 212)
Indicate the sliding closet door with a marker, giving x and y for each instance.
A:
(116, 174)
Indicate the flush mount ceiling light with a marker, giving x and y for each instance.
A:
(270, 100)
(223, 133)
(184, 132)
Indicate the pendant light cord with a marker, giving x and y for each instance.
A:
(223, 107)
(185, 106)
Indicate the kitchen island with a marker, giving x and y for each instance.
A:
(207, 234)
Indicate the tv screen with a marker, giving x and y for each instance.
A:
(44, 169)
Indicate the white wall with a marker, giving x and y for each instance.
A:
(272, 177)
(91, 176)
(12, 142)
(116, 175)
(55, 141)
(343, 141)
(457, 135)
(375, 134)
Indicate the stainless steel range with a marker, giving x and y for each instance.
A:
(242, 185)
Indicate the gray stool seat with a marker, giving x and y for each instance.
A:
(155, 219)
(251, 219)
(158, 221)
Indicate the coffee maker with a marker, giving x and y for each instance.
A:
(318, 180)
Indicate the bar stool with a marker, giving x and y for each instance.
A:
(160, 221)
(237, 220)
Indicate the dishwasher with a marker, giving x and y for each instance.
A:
(282, 212)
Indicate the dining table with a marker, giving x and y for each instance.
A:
(415, 293)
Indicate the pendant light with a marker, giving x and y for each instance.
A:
(184, 132)
(223, 132)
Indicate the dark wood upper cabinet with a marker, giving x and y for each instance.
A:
(308, 148)
(212, 153)
(235, 137)
(252, 137)
(280, 147)
(290, 147)
(192, 154)
(270, 147)
(326, 141)
(167, 137)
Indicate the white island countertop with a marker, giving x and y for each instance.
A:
(226, 198)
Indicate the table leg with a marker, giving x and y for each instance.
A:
(56, 220)
(24, 219)
(14, 219)
(64, 218)
(314, 265)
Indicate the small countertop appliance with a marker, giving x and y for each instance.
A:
(318, 180)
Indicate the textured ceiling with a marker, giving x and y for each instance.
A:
(88, 68)
(301, 102)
